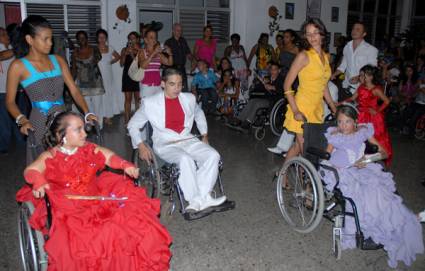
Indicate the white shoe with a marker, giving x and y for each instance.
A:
(210, 202)
(193, 206)
(275, 150)
(422, 216)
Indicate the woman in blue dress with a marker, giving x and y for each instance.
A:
(42, 76)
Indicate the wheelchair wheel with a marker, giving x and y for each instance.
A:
(277, 117)
(31, 242)
(420, 128)
(260, 133)
(301, 202)
(149, 177)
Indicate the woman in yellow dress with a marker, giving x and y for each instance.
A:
(311, 66)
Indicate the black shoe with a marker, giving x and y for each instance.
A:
(369, 244)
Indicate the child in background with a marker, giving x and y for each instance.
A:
(367, 97)
(384, 219)
(204, 84)
(228, 91)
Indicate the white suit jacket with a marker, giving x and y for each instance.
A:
(152, 109)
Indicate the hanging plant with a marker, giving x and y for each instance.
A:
(274, 23)
(122, 14)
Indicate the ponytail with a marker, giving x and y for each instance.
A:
(29, 26)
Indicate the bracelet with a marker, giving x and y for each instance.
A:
(18, 118)
(288, 91)
(88, 114)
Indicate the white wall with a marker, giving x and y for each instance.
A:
(334, 27)
(250, 18)
(118, 37)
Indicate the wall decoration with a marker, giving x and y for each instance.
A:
(313, 8)
(289, 11)
(335, 14)
(123, 14)
(274, 23)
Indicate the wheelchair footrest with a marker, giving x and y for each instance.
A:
(226, 206)
(369, 244)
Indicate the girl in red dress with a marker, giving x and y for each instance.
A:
(121, 232)
(371, 103)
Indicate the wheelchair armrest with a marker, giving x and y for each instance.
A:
(318, 153)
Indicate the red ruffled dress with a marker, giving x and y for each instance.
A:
(98, 235)
(367, 100)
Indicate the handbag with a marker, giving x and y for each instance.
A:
(134, 72)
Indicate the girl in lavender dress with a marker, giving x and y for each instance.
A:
(383, 216)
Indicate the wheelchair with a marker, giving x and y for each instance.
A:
(303, 204)
(31, 241)
(160, 178)
(273, 116)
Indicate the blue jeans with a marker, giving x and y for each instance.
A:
(8, 127)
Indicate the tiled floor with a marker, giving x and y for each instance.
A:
(254, 235)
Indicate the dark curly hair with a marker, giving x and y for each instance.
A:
(373, 71)
(56, 127)
(317, 23)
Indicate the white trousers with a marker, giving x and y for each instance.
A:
(95, 105)
(146, 91)
(195, 180)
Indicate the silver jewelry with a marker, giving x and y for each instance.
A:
(64, 140)
(86, 116)
(66, 151)
(18, 118)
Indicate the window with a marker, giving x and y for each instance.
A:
(85, 18)
(376, 20)
(192, 22)
(218, 3)
(79, 17)
(191, 3)
(354, 5)
(53, 13)
(159, 2)
(219, 21)
(195, 14)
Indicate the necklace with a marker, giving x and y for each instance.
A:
(67, 151)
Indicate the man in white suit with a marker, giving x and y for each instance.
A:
(171, 114)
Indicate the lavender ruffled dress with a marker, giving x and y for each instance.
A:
(382, 214)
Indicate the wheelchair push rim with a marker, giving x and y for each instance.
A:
(31, 242)
(277, 117)
(301, 204)
(149, 177)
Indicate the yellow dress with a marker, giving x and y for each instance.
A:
(313, 79)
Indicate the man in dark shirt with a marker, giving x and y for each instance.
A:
(264, 95)
(180, 51)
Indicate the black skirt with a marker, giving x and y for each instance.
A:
(128, 84)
